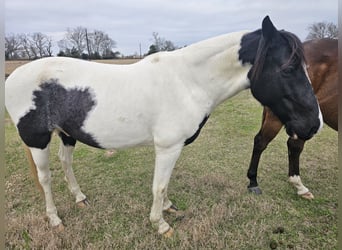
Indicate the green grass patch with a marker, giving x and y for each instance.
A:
(209, 185)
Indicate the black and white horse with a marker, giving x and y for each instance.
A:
(163, 100)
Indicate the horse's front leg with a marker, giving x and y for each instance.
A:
(165, 161)
(270, 127)
(295, 148)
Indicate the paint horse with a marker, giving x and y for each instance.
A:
(321, 58)
(163, 100)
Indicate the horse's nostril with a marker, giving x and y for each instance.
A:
(314, 130)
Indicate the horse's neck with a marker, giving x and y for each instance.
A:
(216, 67)
(320, 69)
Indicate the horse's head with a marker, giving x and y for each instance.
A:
(279, 80)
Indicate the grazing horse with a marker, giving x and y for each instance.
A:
(163, 100)
(321, 58)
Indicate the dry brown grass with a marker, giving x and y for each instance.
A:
(10, 66)
(118, 61)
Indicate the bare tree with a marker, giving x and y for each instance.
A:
(41, 45)
(12, 46)
(160, 44)
(157, 41)
(28, 46)
(99, 44)
(37, 44)
(77, 38)
(63, 45)
(48, 46)
(107, 45)
(169, 46)
(96, 43)
(95, 40)
(322, 30)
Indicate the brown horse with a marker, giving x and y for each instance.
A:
(321, 57)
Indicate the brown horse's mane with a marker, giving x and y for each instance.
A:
(296, 57)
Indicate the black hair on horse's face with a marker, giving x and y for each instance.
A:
(278, 78)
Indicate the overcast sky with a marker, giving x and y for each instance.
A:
(132, 22)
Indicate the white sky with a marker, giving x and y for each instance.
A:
(131, 22)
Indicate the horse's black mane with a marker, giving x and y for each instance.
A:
(255, 38)
(297, 49)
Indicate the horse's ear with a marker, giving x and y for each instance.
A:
(268, 29)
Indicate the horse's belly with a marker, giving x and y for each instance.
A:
(124, 140)
(118, 132)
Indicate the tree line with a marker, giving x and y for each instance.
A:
(322, 30)
(80, 43)
(29, 46)
(77, 42)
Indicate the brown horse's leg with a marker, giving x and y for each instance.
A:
(270, 127)
(295, 148)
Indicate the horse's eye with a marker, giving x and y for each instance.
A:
(288, 70)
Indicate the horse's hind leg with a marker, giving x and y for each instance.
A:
(167, 204)
(65, 152)
(41, 160)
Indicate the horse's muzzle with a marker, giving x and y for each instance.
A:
(295, 130)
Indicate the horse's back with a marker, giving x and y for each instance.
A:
(138, 100)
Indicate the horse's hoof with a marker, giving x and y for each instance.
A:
(256, 190)
(59, 228)
(307, 196)
(84, 203)
(173, 209)
(169, 233)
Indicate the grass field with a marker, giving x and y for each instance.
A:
(209, 185)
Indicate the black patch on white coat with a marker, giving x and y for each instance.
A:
(249, 45)
(193, 138)
(57, 108)
(67, 140)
